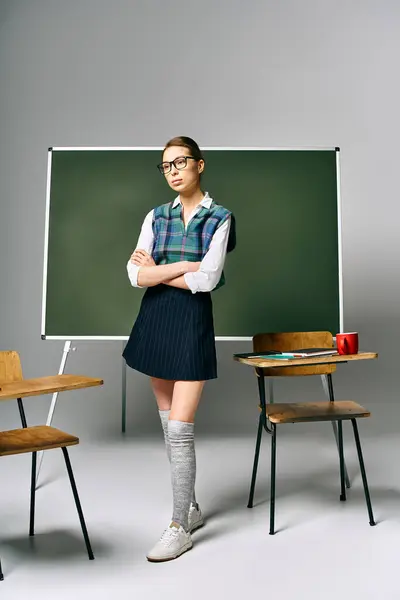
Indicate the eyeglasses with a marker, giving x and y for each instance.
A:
(179, 163)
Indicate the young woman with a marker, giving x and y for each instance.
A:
(179, 258)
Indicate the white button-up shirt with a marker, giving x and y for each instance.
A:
(210, 271)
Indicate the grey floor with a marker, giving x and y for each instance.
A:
(323, 549)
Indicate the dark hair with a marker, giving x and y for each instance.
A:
(186, 142)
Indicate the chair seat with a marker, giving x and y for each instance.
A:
(315, 411)
(34, 439)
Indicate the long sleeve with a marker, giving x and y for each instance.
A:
(209, 274)
(145, 242)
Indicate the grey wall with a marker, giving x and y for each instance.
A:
(228, 73)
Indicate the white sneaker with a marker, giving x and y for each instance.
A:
(173, 542)
(195, 518)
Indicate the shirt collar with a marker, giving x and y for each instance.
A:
(206, 202)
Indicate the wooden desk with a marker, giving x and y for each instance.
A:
(263, 363)
(43, 385)
(268, 421)
(259, 364)
(46, 385)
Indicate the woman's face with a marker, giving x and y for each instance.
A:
(183, 179)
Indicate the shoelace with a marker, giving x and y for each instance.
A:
(168, 536)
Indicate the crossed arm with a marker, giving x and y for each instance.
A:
(151, 274)
(195, 276)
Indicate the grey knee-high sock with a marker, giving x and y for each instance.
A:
(164, 416)
(183, 468)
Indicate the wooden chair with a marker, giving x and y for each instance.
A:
(275, 414)
(33, 440)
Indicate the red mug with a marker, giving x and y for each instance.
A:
(347, 343)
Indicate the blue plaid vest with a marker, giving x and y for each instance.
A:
(173, 244)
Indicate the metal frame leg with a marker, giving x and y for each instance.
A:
(22, 413)
(346, 476)
(273, 476)
(1, 573)
(33, 495)
(341, 462)
(328, 388)
(33, 472)
(363, 473)
(78, 504)
(262, 424)
(255, 464)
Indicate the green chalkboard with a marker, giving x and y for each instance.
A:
(283, 276)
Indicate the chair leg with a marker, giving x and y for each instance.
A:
(78, 504)
(1, 573)
(261, 422)
(22, 413)
(328, 387)
(341, 462)
(33, 472)
(255, 464)
(273, 476)
(33, 495)
(335, 433)
(363, 473)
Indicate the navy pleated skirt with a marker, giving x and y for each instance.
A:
(173, 336)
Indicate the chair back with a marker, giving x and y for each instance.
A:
(10, 366)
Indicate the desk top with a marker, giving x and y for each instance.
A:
(46, 385)
(264, 363)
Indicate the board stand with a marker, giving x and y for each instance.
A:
(66, 351)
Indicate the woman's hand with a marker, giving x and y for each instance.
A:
(141, 258)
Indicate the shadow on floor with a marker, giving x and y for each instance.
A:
(323, 487)
(56, 546)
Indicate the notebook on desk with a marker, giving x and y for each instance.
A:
(300, 353)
